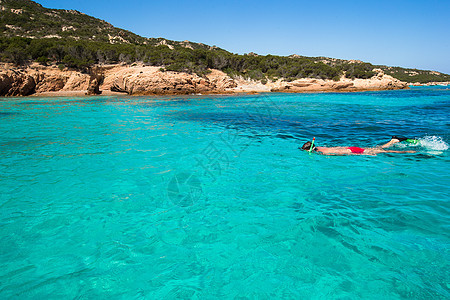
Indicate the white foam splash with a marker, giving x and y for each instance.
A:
(433, 143)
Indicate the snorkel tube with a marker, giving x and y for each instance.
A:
(312, 145)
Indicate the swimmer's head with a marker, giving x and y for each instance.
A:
(307, 146)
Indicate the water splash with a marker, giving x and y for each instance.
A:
(433, 143)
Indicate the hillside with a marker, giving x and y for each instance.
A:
(71, 39)
(25, 18)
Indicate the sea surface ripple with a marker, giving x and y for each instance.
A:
(209, 197)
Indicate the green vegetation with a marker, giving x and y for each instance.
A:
(74, 40)
(83, 54)
(414, 75)
(39, 22)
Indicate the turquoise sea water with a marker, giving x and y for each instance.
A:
(206, 197)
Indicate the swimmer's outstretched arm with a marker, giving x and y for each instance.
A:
(390, 143)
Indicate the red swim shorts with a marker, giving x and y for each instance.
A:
(356, 150)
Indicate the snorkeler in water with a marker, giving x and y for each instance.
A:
(309, 146)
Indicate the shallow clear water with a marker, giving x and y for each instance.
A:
(204, 197)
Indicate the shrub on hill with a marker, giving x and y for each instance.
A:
(83, 54)
(414, 75)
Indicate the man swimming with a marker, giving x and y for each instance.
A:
(356, 150)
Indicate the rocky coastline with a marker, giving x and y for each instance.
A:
(443, 83)
(147, 80)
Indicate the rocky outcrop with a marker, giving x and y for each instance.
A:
(39, 79)
(6, 82)
(94, 85)
(16, 83)
(150, 80)
(172, 84)
(147, 80)
(77, 82)
(301, 84)
(221, 81)
(95, 80)
(444, 83)
(342, 85)
(49, 82)
(378, 82)
(119, 85)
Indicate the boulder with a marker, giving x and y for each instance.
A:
(77, 82)
(94, 87)
(148, 80)
(28, 86)
(119, 85)
(6, 82)
(281, 88)
(141, 80)
(16, 83)
(49, 82)
(341, 85)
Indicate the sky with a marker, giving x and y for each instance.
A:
(412, 34)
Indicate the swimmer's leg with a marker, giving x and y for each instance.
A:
(375, 151)
(395, 151)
